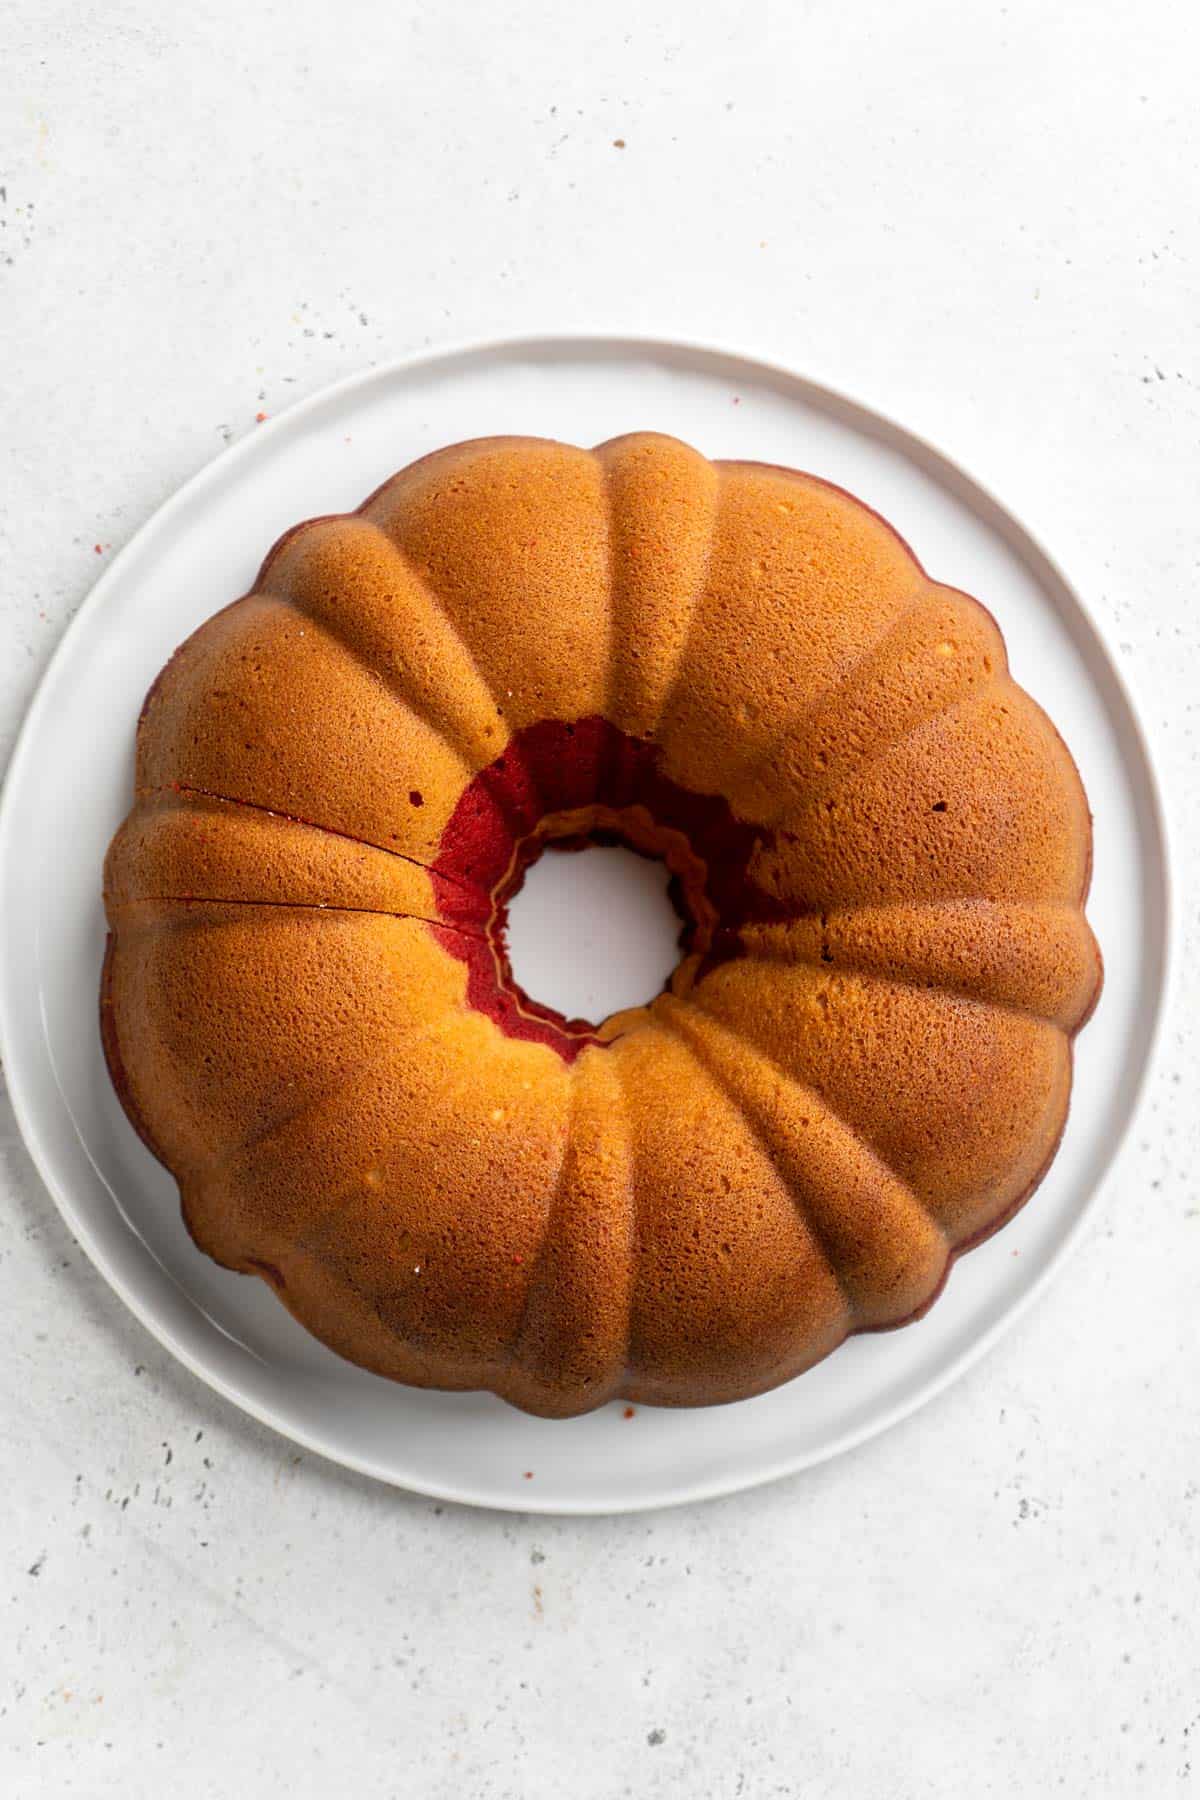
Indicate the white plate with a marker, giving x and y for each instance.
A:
(69, 786)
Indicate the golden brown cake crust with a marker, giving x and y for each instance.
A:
(880, 850)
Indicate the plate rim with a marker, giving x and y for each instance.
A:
(835, 401)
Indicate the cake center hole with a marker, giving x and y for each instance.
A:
(593, 931)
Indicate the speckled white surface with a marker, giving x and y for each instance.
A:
(984, 221)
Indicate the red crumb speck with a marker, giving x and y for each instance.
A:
(628, 1413)
(99, 549)
(259, 418)
(528, 1476)
(518, 1260)
(737, 399)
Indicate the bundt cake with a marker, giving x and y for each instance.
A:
(879, 848)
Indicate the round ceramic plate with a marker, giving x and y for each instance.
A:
(70, 784)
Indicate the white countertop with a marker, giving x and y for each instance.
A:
(984, 220)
